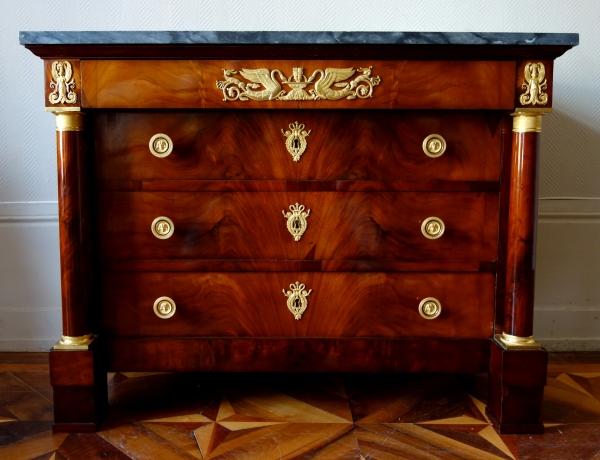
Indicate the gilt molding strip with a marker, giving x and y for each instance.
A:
(266, 85)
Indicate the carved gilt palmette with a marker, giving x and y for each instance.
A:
(534, 85)
(62, 83)
(266, 85)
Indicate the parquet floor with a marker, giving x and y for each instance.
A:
(274, 416)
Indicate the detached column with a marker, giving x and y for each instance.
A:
(73, 226)
(518, 363)
(76, 370)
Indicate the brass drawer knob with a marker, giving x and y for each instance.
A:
(430, 308)
(297, 299)
(162, 227)
(296, 220)
(434, 145)
(160, 145)
(164, 307)
(433, 228)
(296, 140)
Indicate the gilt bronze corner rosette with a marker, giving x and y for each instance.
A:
(266, 85)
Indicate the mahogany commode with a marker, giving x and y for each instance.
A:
(298, 202)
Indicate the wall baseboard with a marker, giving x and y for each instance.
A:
(566, 345)
(22, 345)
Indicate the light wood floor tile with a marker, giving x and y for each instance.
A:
(34, 446)
(183, 439)
(140, 443)
(301, 417)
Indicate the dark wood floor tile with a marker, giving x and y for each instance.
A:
(332, 384)
(9, 383)
(211, 410)
(46, 456)
(576, 441)
(575, 359)
(210, 436)
(576, 383)
(47, 395)
(589, 365)
(469, 437)
(26, 405)
(184, 439)
(38, 380)
(143, 389)
(445, 402)
(324, 400)
(274, 442)
(391, 401)
(381, 445)
(15, 431)
(272, 405)
(343, 448)
(24, 367)
(391, 441)
(24, 358)
(78, 446)
(475, 384)
(247, 409)
(140, 443)
(590, 381)
(33, 446)
(565, 404)
(176, 397)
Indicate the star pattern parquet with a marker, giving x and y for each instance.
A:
(300, 417)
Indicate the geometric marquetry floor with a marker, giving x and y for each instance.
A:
(318, 416)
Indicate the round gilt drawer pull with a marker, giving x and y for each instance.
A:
(433, 228)
(162, 227)
(164, 307)
(434, 145)
(430, 308)
(160, 145)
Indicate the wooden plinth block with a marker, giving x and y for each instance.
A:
(80, 390)
(516, 389)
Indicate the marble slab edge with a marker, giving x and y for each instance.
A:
(294, 38)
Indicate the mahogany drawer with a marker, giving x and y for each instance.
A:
(339, 305)
(341, 225)
(342, 145)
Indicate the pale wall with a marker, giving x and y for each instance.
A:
(568, 277)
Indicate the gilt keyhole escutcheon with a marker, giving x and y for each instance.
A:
(296, 139)
(297, 301)
(296, 220)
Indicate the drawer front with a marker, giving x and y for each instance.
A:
(350, 145)
(340, 225)
(338, 305)
(405, 84)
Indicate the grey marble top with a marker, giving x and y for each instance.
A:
(282, 38)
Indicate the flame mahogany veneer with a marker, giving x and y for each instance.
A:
(369, 187)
